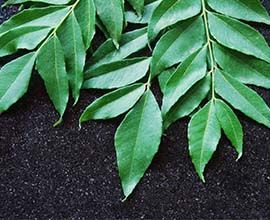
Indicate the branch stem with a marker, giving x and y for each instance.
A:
(209, 44)
(71, 8)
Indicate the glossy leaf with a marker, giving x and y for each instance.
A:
(188, 103)
(130, 43)
(169, 12)
(54, 73)
(178, 44)
(113, 104)
(249, 10)
(231, 125)
(112, 16)
(44, 17)
(242, 98)
(22, 38)
(14, 80)
(187, 74)
(137, 140)
(85, 13)
(71, 39)
(117, 74)
(246, 69)
(238, 36)
(204, 133)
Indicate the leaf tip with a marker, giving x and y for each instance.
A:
(116, 44)
(75, 101)
(202, 177)
(124, 199)
(80, 126)
(59, 122)
(239, 156)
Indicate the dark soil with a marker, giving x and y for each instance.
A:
(62, 172)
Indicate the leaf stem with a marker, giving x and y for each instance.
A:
(209, 44)
(72, 7)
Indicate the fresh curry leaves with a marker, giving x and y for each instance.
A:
(200, 55)
(59, 36)
(230, 44)
(204, 54)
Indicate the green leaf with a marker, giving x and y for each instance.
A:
(117, 74)
(176, 45)
(137, 140)
(249, 10)
(85, 13)
(138, 5)
(14, 80)
(231, 125)
(242, 98)
(54, 73)
(204, 133)
(44, 17)
(111, 14)
(22, 38)
(187, 74)
(169, 12)
(113, 104)
(71, 39)
(188, 103)
(246, 69)
(130, 43)
(238, 36)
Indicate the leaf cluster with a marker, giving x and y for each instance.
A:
(205, 55)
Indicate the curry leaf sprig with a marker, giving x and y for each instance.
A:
(218, 55)
(203, 58)
(56, 35)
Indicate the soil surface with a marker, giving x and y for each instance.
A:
(65, 172)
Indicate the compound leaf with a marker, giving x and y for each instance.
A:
(202, 51)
